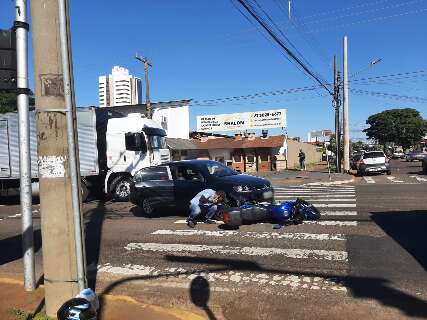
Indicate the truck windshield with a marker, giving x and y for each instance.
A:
(157, 142)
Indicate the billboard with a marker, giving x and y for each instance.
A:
(242, 121)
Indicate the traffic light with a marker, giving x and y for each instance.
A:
(7, 60)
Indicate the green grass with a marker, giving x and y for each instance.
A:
(22, 315)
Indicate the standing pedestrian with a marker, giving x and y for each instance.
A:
(301, 157)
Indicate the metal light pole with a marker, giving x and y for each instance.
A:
(21, 28)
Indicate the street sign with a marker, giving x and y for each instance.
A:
(242, 121)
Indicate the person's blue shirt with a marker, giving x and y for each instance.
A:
(207, 193)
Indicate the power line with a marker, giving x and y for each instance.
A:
(267, 28)
(358, 13)
(390, 95)
(331, 27)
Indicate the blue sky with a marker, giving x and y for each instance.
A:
(204, 49)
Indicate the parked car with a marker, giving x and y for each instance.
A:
(398, 155)
(373, 162)
(174, 184)
(415, 155)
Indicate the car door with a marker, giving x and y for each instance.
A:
(158, 185)
(188, 181)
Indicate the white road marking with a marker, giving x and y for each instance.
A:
(310, 199)
(352, 193)
(338, 213)
(333, 223)
(15, 216)
(393, 179)
(314, 189)
(185, 221)
(335, 205)
(369, 179)
(234, 277)
(330, 255)
(331, 183)
(321, 222)
(316, 195)
(420, 179)
(255, 235)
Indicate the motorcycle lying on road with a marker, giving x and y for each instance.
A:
(289, 212)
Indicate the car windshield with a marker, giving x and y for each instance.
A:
(378, 154)
(157, 142)
(217, 169)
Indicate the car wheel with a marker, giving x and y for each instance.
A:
(147, 207)
(120, 188)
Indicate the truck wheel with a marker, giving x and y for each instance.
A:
(120, 188)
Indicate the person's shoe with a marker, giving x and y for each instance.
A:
(210, 221)
(191, 223)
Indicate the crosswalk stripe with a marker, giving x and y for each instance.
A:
(368, 179)
(393, 179)
(320, 222)
(314, 189)
(333, 223)
(316, 195)
(309, 199)
(291, 281)
(313, 192)
(331, 255)
(335, 205)
(338, 213)
(183, 221)
(255, 235)
(420, 179)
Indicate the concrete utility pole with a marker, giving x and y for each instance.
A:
(336, 104)
(21, 29)
(147, 64)
(346, 127)
(57, 221)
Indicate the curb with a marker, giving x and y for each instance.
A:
(176, 313)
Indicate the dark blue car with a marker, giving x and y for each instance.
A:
(176, 183)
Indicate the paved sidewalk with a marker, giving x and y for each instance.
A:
(113, 307)
(287, 177)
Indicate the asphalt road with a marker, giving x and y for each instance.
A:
(366, 258)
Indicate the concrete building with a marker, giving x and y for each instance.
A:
(119, 88)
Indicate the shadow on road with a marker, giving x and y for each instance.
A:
(200, 293)
(94, 221)
(360, 287)
(11, 248)
(408, 229)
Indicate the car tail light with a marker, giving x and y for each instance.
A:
(226, 217)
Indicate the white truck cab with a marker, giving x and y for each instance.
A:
(133, 142)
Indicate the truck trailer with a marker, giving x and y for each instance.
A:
(112, 148)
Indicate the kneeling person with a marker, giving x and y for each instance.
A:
(205, 203)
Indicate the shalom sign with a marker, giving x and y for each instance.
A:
(242, 121)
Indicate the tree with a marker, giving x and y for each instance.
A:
(403, 127)
(8, 102)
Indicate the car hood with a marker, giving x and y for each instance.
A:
(243, 179)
